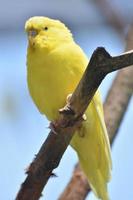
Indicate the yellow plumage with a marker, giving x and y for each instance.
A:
(55, 65)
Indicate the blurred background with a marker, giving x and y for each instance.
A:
(22, 128)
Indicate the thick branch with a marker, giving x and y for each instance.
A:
(48, 159)
(115, 106)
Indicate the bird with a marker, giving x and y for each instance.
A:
(55, 65)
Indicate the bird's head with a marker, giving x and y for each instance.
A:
(46, 33)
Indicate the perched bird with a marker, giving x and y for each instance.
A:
(55, 64)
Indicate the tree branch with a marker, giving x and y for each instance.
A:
(47, 159)
(115, 106)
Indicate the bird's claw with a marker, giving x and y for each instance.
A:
(52, 127)
(68, 98)
(67, 109)
(84, 118)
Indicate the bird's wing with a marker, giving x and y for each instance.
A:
(99, 110)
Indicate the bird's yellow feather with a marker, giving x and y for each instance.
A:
(55, 64)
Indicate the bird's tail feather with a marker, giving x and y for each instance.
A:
(97, 182)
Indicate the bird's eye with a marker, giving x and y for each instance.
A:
(45, 28)
(32, 32)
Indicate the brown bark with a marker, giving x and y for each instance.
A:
(47, 159)
(115, 106)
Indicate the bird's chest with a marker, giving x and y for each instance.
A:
(49, 83)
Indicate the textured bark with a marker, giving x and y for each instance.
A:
(115, 106)
(47, 159)
(117, 101)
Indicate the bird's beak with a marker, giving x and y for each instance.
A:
(31, 37)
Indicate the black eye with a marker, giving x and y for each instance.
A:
(45, 28)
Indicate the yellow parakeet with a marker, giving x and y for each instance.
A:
(55, 64)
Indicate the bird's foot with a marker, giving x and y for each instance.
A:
(84, 118)
(68, 98)
(53, 126)
(67, 110)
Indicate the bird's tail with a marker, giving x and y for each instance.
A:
(94, 164)
(93, 149)
(96, 180)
